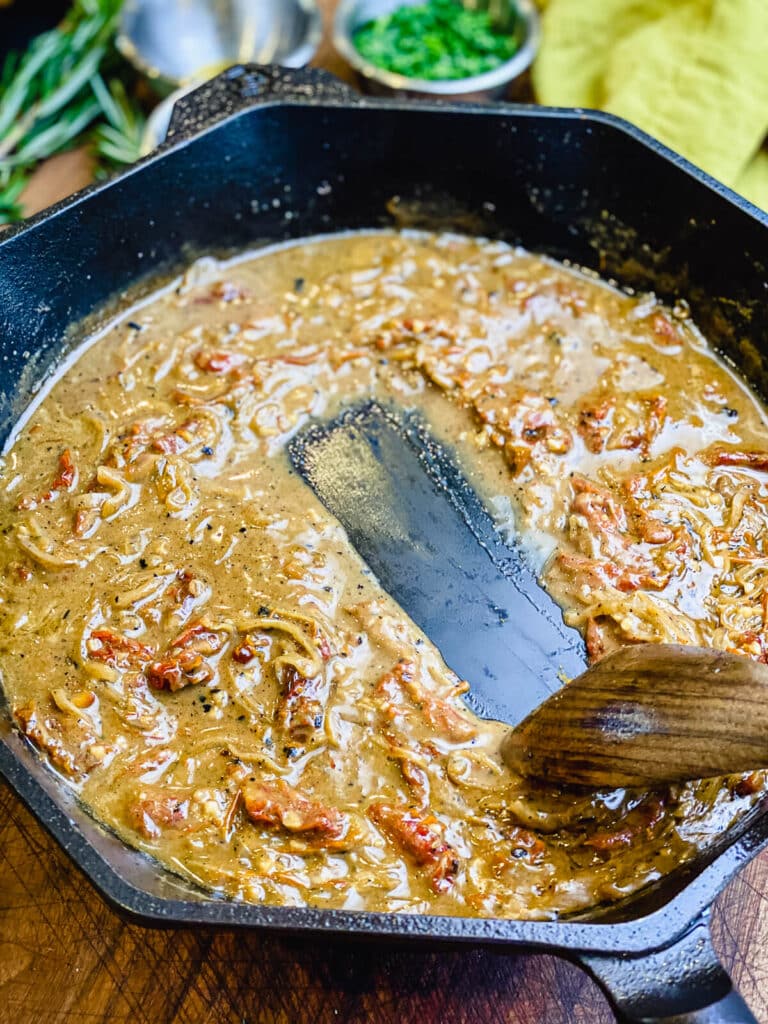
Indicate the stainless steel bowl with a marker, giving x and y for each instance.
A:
(352, 14)
(180, 42)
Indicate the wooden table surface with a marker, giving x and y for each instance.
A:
(66, 957)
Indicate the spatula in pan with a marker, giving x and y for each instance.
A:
(645, 715)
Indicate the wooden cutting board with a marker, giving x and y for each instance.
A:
(66, 958)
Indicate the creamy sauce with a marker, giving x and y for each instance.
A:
(189, 637)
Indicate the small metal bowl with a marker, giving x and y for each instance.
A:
(352, 14)
(182, 42)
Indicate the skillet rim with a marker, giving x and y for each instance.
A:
(229, 96)
(232, 94)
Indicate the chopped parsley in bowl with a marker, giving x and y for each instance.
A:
(439, 40)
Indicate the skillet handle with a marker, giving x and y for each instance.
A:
(682, 984)
(248, 85)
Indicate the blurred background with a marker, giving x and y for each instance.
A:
(20, 22)
(87, 86)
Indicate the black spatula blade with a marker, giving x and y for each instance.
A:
(421, 528)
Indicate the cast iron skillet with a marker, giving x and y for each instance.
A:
(259, 155)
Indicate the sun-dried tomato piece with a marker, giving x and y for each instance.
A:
(184, 592)
(301, 708)
(278, 805)
(640, 821)
(417, 779)
(131, 446)
(69, 744)
(179, 440)
(392, 683)
(185, 661)
(590, 572)
(663, 328)
(752, 644)
(415, 835)
(597, 573)
(306, 360)
(602, 511)
(67, 474)
(187, 669)
(571, 297)
(222, 291)
(641, 438)
(438, 712)
(445, 718)
(118, 651)
(219, 362)
(85, 520)
(46, 737)
(243, 653)
(521, 421)
(653, 531)
(65, 480)
(199, 637)
(624, 565)
(750, 784)
(720, 456)
(152, 812)
(600, 425)
(595, 641)
(527, 844)
(414, 325)
(595, 423)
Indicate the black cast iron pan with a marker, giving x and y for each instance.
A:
(259, 155)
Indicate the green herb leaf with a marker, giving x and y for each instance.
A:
(119, 140)
(67, 80)
(439, 39)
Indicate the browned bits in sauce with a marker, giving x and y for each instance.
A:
(189, 639)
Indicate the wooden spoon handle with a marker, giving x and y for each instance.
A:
(646, 715)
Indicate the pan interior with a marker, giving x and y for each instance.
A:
(214, 391)
(662, 238)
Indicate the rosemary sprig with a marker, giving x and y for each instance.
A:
(117, 139)
(66, 88)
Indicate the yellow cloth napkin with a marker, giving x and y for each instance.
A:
(693, 73)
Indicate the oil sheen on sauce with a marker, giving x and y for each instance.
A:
(190, 640)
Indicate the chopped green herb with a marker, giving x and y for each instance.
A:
(437, 40)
